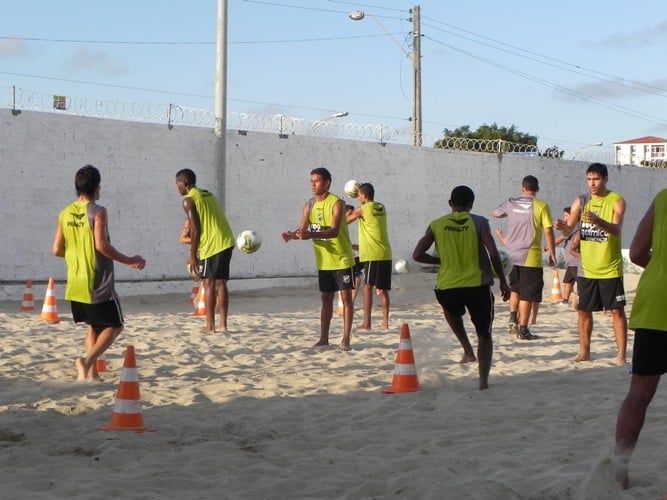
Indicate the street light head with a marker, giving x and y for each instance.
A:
(340, 114)
(356, 15)
(598, 143)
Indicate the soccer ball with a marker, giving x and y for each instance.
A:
(192, 272)
(248, 241)
(401, 266)
(506, 261)
(352, 188)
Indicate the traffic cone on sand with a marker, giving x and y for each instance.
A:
(101, 364)
(555, 289)
(127, 414)
(340, 309)
(49, 309)
(405, 371)
(200, 303)
(28, 303)
(195, 292)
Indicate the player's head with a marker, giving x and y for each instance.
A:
(320, 180)
(462, 197)
(598, 168)
(185, 179)
(87, 180)
(567, 210)
(349, 208)
(367, 190)
(530, 184)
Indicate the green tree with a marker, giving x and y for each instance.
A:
(488, 138)
(553, 152)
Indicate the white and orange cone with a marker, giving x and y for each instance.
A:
(28, 303)
(195, 292)
(200, 303)
(340, 308)
(127, 414)
(555, 289)
(405, 371)
(50, 309)
(101, 364)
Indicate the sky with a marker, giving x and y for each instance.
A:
(571, 73)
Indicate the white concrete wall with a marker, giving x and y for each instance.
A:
(267, 182)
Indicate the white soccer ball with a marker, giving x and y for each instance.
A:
(506, 261)
(248, 241)
(401, 266)
(352, 188)
(192, 272)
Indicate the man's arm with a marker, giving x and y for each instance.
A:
(613, 226)
(419, 253)
(195, 230)
(640, 248)
(103, 246)
(567, 226)
(551, 245)
(303, 225)
(356, 214)
(492, 250)
(58, 248)
(184, 237)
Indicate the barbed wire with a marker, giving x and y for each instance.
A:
(172, 115)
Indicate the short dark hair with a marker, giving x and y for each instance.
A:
(567, 210)
(349, 207)
(368, 190)
(322, 172)
(87, 180)
(462, 196)
(530, 183)
(188, 176)
(598, 168)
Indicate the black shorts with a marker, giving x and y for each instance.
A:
(378, 274)
(528, 282)
(598, 294)
(570, 275)
(478, 300)
(332, 281)
(217, 266)
(358, 268)
(649, 353)
(99, 316)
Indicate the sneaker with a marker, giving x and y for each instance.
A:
(564, 303)
(513, 329)
(524, 334)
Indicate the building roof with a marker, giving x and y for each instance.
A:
(645, 140)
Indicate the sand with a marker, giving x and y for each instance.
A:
(258, 414)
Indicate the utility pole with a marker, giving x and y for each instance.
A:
(220, 126)
(417, 76)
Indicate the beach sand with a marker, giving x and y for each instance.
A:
(259, 414)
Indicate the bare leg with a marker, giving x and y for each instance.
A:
(567, 290)
(484, 354)
(386, 302)
(456, 324)
(223, 302)
(525, 306)
(326, 312)
(357, 287)
(209, 299)
(621, 334)
(87, 366)
(534, 308)
(514, 303)
(368, 306)
(630, 422)
(585, 323)
(348, 316)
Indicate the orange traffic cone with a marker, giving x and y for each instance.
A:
(127, 415)
(405, 371)
(555, 289)
(195, 292)
(28, 303)
(49, 309)
(340, 309)
(200, 303)
(101, 364)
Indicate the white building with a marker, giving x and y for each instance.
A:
(642, 152)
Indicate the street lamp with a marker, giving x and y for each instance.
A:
(416, 119)
(316, 124)
(598, 144)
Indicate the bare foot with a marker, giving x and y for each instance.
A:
(620, 361)
(81, 369)
(582, 357)
(344, 347)
(321, 343)
(208, 331)
(467, 358)
(385, 326)
(363, 326)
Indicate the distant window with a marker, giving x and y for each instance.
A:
(633, 151)
(658, 151)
